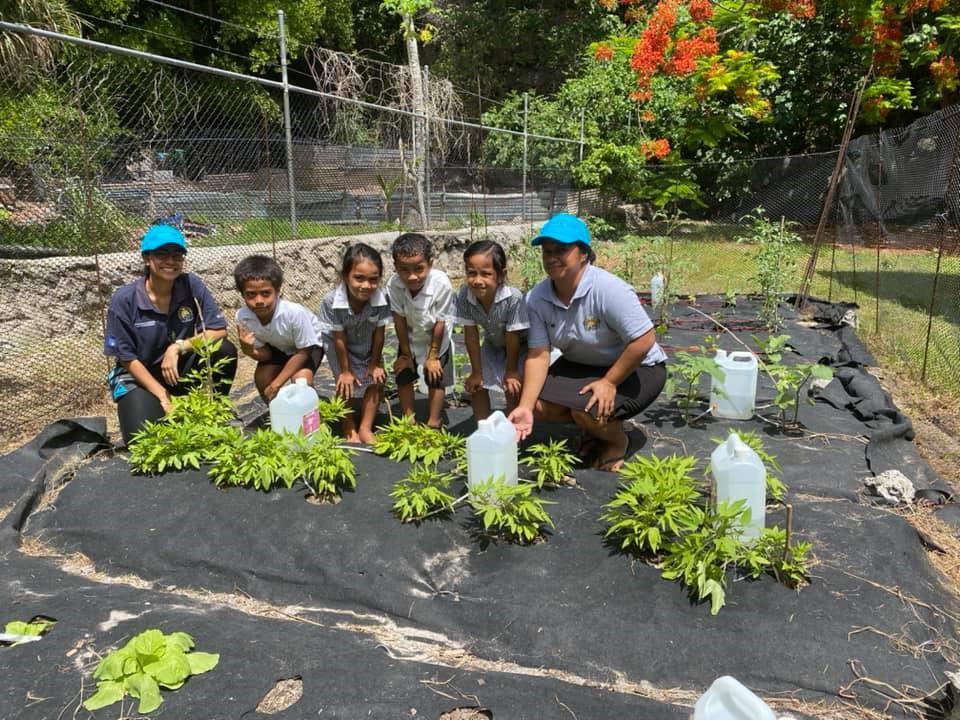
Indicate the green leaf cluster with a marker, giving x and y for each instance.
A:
(684, 373)
(778, 247)
(423, 492)
(776, 489)
(165, 445)
(260, 460)
(324, 466)
(509, 511)
(149, 662)
(660, 513)
(35, 627)
(333, 409)
(789, 380)
(550, 461)
(404, 439)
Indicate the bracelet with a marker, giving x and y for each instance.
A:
(181, 345)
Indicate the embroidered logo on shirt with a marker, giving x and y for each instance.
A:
(185, 314)
(591, 323)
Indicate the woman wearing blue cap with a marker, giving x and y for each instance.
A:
(151, 325)
(612, 367)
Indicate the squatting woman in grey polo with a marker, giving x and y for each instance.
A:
(612, 367)
(151, 325)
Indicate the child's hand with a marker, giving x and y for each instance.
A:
(512, 384)
(245, 335)
(270, 391)
(433, 370)
(345, 382)
(403, 362)
(377, 374)
(474, 382)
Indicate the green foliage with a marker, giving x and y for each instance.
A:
(260, 460)
(684, 373)
(149, 662)
(789, 380)
(324, 466)
(423, 492)
(509, 511)
(769, 553)
(165, 445)
(198, 407)
(526, 265)
(656, 502)
(777, 250)
(550, 461)
(776, 490)
(333, 409)
(404, 439)
(36, 627)
(700, 557)
(660, 257)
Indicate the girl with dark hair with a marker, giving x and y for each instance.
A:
(355, 316)
(152, 325)
(486, 301)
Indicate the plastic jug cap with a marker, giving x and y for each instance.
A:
(301, 381)
(738, 448)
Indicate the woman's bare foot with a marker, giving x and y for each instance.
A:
(614, 454)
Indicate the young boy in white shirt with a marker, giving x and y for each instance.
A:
(282, 336)
(422, 301)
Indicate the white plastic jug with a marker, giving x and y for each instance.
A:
(728, 699)
(657, 283)
(739, 474)
(294, 409)
(492, 451)
(739, 386)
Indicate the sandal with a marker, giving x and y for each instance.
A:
(603, 465)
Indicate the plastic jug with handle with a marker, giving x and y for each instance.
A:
(657, 283)
(492, 451)
(739, 474)
(734, 396)
(728, 699)
(294, 409)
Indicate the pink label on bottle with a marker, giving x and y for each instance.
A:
(310, 422)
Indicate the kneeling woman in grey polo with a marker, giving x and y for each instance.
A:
(612, 367)
(151, 325)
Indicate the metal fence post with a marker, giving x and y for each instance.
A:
(426, 141)
(523, 191)
(286, 126)
(579, 190)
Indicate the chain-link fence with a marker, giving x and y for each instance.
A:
(111, 141)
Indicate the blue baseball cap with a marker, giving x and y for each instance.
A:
(564, 228)
(159, 235)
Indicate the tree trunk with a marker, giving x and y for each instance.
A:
(421, 143)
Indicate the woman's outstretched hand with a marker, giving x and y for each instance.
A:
(522, 420)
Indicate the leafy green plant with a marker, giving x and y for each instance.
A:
(776, 490)
(206, 369)
(789, 380)
(656, 502)
(775, 258)
(171, 445)
(323, 465)
(149, 662)
(198, 407)
(36, 627)
(789, 565)
(404, 439)
(688, 369)
(261, 460)
(333, 410)
(509, 511)
(551, 463)
(423, 492)
(660, 257)
(460, 361)
(700, 557)
(526, 265)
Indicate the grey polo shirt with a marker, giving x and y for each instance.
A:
(603, 316)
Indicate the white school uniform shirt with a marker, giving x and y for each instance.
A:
(292, 327)
(433, 303)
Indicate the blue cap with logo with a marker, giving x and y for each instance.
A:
(159, 235)
(564, 228)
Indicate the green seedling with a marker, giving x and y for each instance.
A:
(551, 463)
(769, 554)
(684, 374)
(509, 511)
(333, 410)
(777, 246)
(324, 466)
(261, 460)
(167, 445)
(776, 490)
(789, 380)
(404, 439)
(36, 627)
(149, 662)
(422, 493)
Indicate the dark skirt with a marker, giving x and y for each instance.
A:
(566, 378)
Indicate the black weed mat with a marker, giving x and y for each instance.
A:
(571, 607)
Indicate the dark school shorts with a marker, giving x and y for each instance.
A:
(565, 379)
(408, 376)
(280, 358)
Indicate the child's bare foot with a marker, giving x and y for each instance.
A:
(353, 438)
(366, 436)
(435, 424)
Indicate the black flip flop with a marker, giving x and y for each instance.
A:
(626, 455)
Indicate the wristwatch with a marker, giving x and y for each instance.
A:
(181, 345)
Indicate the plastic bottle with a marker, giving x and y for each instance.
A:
(739, 386)
(294, 409)
(657, 283)
(728, 699)
(739, 474)
(492, 451)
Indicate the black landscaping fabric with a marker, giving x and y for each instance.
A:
(572, 606)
